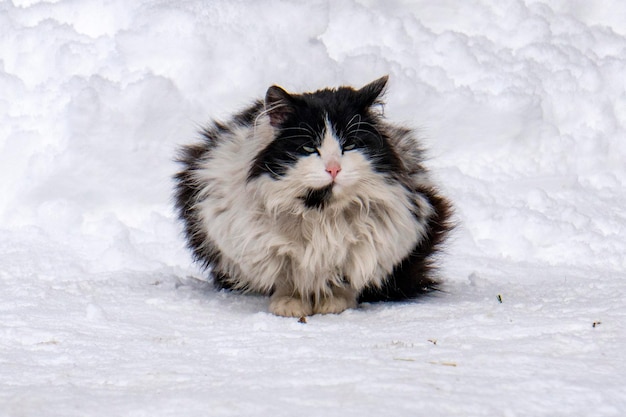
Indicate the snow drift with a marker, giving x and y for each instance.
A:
(521, 103)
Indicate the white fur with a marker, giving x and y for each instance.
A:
(270, 241)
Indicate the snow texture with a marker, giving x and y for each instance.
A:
(522, 104)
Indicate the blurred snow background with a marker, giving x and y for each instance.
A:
(522, 105)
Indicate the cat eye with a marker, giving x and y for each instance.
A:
(349, 147)
(309, 149)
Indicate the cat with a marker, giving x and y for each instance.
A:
(314, 199)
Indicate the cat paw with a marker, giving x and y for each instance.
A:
(290, 307)
(334, 305)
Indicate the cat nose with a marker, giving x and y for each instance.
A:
(333, 170)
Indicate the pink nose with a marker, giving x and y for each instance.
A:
(333, 170)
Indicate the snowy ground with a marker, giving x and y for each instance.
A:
(102, 313)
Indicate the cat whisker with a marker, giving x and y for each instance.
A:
(270, 170)
(351, 121)
(308, 127)
(355, 130)
(294, 137)
(266, 110)
(291, 156)
(311, 133)
(371, 125)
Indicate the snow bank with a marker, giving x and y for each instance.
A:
(521, 103)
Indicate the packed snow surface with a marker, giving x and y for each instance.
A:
(522, 105)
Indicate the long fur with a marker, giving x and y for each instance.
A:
(262, 212)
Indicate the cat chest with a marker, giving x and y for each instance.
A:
(356, 248)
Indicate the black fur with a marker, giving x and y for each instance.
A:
(187, 192)
(318, 198)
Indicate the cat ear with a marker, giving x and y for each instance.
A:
(278, 105)
(370, 94)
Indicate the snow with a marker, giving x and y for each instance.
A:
(522, 105)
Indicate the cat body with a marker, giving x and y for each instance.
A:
(314, 199)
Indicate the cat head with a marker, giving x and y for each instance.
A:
(326, 143)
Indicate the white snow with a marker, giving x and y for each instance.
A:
(522, 105)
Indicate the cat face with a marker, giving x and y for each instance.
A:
(327, 143)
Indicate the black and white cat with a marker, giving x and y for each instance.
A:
(314, 199)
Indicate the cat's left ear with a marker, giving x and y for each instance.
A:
(278, 105)
(370, 94)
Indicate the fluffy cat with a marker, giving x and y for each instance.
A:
(313, 199)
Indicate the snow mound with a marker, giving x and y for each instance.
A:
(522, 105)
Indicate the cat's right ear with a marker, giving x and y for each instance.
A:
(278, 105)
